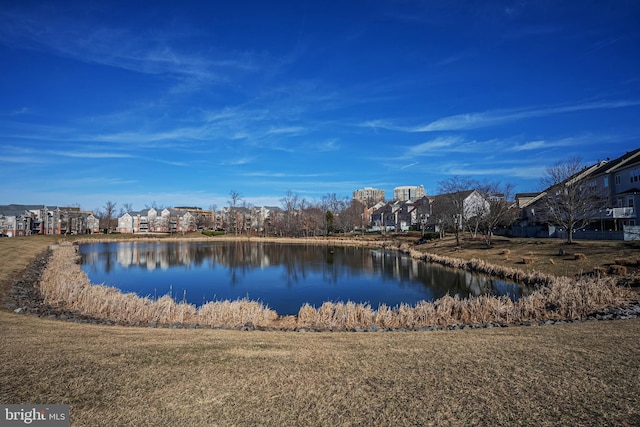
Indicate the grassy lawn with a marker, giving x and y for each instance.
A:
(571, 374)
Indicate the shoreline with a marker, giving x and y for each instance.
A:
(25, 297)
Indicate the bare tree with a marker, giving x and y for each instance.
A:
(448, 207)
(233, 204)
(500, 209)
(571, 199)
(351, 216)
(290, 206)
(108, 213)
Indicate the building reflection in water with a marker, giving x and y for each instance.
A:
(337, 269)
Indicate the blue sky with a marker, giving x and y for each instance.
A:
(179, 103)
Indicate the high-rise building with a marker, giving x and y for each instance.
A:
(369, 196)
(409, 192)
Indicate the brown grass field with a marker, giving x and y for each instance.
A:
(566, 374)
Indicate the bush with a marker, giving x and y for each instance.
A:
(618, 270)
(428, 236)
(527, 260)
(579, 256)
(213, 233)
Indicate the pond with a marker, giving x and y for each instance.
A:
(282, 276)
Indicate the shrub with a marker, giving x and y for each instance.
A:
(618, 270)
(505, 252)
(213, 233)
(579, 256)
(527, 260)
(622, 261)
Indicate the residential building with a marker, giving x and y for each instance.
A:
(454, 209)
(369, 196)
(26, 220)
(408, 192)
(617, 182)
(401, 215)
(148, 221)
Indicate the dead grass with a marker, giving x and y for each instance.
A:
(561, 375)
(65, 285)
(597, 253)
(15, 255)
(573, 374)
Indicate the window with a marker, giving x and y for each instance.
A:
(630, 202)
(617, 179)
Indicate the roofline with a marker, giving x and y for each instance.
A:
(631, 157)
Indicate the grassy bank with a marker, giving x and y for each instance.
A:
(572, 374)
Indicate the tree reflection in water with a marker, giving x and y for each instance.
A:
(283, 276)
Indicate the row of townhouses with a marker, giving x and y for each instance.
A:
(183, 219)
(27, 220)
(617, 182)
(425, 212)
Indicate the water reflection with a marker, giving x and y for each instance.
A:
(282, 276)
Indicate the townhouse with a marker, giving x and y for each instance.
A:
(26, 220)
(150, 221)
(617, 184)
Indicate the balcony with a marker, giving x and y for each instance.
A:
(616, 213)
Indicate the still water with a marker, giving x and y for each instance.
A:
(282, 276)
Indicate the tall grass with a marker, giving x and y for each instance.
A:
(65, 285)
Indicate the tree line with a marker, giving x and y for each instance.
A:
(570, 202)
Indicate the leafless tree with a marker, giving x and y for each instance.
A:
(500, 210)
(448, 207)
(127, 207)
(213, 222)
(108, 212)
(290, 205)
(351, 216)
(233, 204)
(571, 199)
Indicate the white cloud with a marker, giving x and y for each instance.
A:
(496, 117)
(433, 147)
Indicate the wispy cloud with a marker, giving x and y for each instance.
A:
(502, 173)
(433, 147)
(89, 155)
(584, 140)
(469, 121)
(154, 53)
(497, 117)
(236, 162)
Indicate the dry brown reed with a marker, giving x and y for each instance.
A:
(618, 270)
(64, 284)
(599, 271)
